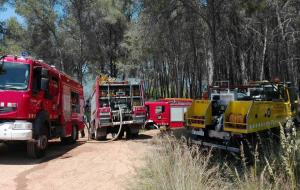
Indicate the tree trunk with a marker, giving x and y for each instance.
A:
(262, 66)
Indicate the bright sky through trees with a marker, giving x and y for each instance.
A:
(8, 12)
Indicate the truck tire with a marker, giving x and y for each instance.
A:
(92, 135)
(73, 138)
(100, 133)
(92, 130)
(132, 132)
(37, 147)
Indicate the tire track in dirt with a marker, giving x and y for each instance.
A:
(82, 166)
(21, 179)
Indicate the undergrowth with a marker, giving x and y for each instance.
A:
(172, 165)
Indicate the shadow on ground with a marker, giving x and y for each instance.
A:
(15, 154)
(141, 137)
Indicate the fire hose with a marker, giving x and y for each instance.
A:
(156, 126)
(153, 124)
(115, 137)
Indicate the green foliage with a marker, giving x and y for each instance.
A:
(254, 6)
(83, 36)
(176, 46)
(14, 36)
(111, 10)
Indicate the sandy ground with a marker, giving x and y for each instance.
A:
(85, 165)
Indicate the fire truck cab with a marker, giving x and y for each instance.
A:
(38, 103)
(167, 113)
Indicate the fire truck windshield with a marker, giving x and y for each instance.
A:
(14, 76)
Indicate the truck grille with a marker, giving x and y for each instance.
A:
(7, 109)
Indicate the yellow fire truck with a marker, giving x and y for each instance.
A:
(231, 114)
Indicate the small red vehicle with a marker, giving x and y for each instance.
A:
(116, 107)
(167, 113)
(38, 103)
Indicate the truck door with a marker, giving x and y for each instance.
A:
(161, 115)
(50, 88)
(75, 103)
(147, 112)
(39, 89)
(53, 95)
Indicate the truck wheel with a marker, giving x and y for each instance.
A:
(37, 149)
(248, 151)
(132, 132)
(73, 138)
(101, 133)
(92, 136)
(92, 132)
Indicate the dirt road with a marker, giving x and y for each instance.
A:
(86, 165)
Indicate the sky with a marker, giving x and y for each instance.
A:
(8, 12)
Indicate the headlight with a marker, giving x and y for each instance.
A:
(22, 126)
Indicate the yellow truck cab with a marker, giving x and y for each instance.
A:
(234, 113)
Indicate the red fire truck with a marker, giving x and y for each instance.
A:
(167, 113)
(116, 107)
(38, 103)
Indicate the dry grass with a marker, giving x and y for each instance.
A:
(172, 165)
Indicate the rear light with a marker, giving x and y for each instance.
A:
(105, 109)
(139, 113)
(139, 110)
(105, 112)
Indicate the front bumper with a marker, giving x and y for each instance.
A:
(15, 131)
(136, 120)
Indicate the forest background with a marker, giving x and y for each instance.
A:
(176, 46)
